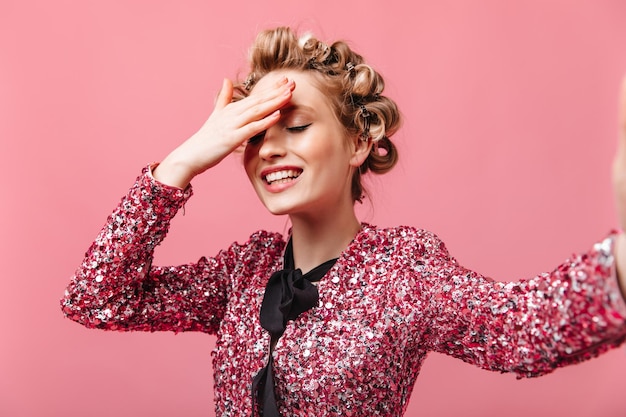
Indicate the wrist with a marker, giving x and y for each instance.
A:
(172, 173)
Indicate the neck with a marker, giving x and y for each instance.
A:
(320, 238)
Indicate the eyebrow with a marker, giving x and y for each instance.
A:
(290, 107)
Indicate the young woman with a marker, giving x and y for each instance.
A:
(337, 317)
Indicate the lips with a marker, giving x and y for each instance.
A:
(280, 175)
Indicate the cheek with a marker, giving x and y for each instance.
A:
(249, 160)
(331, 152)
(323, 145)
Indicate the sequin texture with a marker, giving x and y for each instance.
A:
(393, 295)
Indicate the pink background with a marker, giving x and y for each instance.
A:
(510, 126)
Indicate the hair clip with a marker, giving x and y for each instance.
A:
(365, 114)
(350, 68)
(248, 83)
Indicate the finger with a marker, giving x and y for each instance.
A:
(254, 128)
(267, 92)
(225, 95)
(262, 105)
(281, 81)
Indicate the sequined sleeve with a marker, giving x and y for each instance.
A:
(115, 286)
(528, 327)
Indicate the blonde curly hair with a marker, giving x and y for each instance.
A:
(353, 87)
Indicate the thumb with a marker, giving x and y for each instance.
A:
(225, 95)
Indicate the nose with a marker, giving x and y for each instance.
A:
(273, 144)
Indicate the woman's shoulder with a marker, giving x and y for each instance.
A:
(266, 236)
(261, 241)
(421, 240)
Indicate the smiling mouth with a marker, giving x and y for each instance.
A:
(280, 177)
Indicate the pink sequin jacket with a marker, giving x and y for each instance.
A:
(392, 296)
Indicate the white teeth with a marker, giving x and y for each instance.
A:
(281, 175)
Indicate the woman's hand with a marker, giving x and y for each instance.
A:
(619, 184)
(228, 127)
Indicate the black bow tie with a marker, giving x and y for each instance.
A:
(288, 294)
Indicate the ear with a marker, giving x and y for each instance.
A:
(360, 150)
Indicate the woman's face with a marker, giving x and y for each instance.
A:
(303, 164)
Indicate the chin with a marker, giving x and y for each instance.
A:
(277, 209)
(281, 207)
(277, 205)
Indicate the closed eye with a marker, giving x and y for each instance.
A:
(256, 138)
(298, 128)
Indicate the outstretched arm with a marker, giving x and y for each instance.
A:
(619, 183)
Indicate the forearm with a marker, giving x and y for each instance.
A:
(121, 254)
